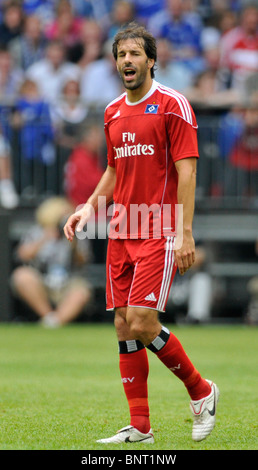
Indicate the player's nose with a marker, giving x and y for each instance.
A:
(128, 58)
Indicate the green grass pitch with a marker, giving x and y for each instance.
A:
(61, 389)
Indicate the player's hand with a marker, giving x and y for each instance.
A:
(185, 253)
(77, 221)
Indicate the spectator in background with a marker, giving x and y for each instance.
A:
(239, 48)
(84, 168)
(8, 196)
(208, 89)
(90, 44)
(81, 8)
(145, 9)
(174, 24)
(30, 46)
(52, 71)
(100, 82)
(122, 13)
(98, 10)
(227, 21)
(210, 44)
(11, 26)
(69, 116)
(44, 9)
(238, 141)
(171, 74)
(32, 121)
(11, 77)
(50, 279)
(66, 27)
(215, 8)
(206, 93)
(192, 13)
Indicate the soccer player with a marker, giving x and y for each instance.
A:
(151, 135)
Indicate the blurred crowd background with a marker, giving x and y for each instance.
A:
(57, 74)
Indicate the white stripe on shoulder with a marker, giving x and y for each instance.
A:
(181, 100)
(116, 100)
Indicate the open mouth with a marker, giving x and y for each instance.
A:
(129, 74)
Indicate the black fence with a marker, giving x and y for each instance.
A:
(226, 220)
(227, 174)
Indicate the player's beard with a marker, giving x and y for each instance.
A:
(138, 80)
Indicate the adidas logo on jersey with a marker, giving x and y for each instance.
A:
(151, 297)
(117, 114)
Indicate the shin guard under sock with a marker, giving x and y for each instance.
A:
(170, 351)
(134, 369)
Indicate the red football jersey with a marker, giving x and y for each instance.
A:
(144, 140)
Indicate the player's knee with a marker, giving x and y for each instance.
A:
(139, 327)
(120, 320)
(143, 324)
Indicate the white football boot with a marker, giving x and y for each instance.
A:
(204, 412)
(127, 435)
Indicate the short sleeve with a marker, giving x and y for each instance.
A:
(110, 153)
(182, 133)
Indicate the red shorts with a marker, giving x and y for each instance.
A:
(139, 273)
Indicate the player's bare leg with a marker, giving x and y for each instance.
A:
(134, 369)
(138, 327)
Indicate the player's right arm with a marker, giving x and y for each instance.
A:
(104, 188)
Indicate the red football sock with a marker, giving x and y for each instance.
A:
(134, 369)
(170, 351)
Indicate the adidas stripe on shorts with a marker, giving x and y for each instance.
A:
(139, 272)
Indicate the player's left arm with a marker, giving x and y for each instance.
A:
(185, 245)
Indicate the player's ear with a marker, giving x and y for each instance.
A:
(150, 63)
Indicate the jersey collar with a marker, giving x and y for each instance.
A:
(150, 92)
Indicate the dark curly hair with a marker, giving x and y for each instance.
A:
(135, 31)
